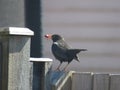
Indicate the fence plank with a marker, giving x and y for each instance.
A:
(82, 81)
(115, 82)
(101, 82)
(67, 84)
(61, 80)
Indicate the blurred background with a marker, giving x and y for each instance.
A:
(90, 24)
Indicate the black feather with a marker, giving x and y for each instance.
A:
(62, 51)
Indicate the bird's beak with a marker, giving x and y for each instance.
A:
(48, 36)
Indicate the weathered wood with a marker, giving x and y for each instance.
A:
(1, 66)
(66, 84)
(41, 73)
(115, 82)
(56, 79)
(85, 81)
(101, 82)
(15, 66)
(61, 80)
(81, 81)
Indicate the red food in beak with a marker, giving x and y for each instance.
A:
(48, 36)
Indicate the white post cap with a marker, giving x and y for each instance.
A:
(16, 31)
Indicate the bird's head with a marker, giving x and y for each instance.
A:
(54, 37)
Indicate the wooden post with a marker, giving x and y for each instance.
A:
(14, 59)
(41, 68)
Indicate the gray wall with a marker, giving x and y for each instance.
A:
(12, 13)
(23, 13)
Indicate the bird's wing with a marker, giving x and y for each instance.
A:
(63, 44)
(59, 51)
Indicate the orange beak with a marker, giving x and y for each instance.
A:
(48, 36)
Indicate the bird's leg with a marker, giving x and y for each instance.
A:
(65, 67)
(59, 66)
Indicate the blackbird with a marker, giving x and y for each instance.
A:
(62, 51)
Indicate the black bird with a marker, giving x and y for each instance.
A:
(62, 51)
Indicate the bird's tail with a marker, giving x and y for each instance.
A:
(75, 52)
(82, 50)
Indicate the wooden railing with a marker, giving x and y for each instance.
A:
(87, 81)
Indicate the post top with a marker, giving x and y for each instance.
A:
(40, 60)
(16, 31)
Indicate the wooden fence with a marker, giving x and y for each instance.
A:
(87, 81)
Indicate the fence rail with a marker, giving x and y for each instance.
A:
(88, 81)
